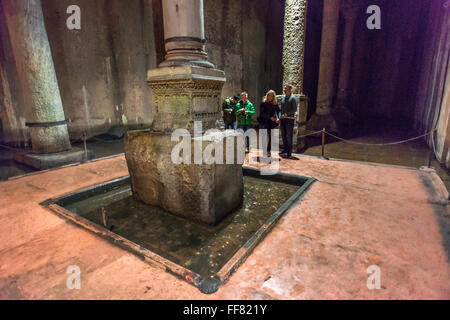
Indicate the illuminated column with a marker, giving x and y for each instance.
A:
(37, 76)
(293, 62)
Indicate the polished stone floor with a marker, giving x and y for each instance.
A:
(411, 154)
(355, 216)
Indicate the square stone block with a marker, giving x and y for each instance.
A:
(53, 160)
(204, 192)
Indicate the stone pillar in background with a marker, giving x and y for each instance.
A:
(37, 76)
(343, 113)
(186, 88)
(293, 62)
(326, 88)
(349, 14)
(39, 85)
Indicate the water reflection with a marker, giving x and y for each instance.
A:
(200, 248)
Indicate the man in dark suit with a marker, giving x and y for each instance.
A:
(288, 109)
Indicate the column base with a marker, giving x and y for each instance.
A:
(318, 122)
(335, 121)
(343, 115)
(53, 160)
(323, 110)
(302, 115)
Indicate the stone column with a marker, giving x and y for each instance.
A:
(184, 33)
(37, 76)
(326, 88)
(186, 86)
(186, 92)
(294, 43)
(349, 14)
(343, 113)
(44, 110)
(293, 62)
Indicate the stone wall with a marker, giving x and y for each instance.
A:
(244, 38)
(101, 69)
(312, 52)
(383, 81)
(397, 72)
(432, 104)
(12, 110)
(383, 72)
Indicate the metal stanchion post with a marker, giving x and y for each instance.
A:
(430, 157)
(430, 153)
(323, 143)
(85, 147)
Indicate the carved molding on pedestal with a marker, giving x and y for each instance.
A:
(182, 95)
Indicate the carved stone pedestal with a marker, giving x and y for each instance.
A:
(186, 91)
(184, 94)
(186, 98)
(204, 192)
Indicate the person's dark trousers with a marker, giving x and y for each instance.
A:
(230, 125)
(287, 131)
(269, 140)
(245, 128)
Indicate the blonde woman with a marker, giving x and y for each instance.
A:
(270, 116)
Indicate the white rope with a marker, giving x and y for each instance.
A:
(380, 144)
(309, 134)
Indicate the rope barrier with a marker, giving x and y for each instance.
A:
(371, 144)
(310, 134)
(380, 144)
(432, 148)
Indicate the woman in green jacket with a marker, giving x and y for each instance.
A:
(244, 113)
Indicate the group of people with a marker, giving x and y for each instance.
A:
(238, 112)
